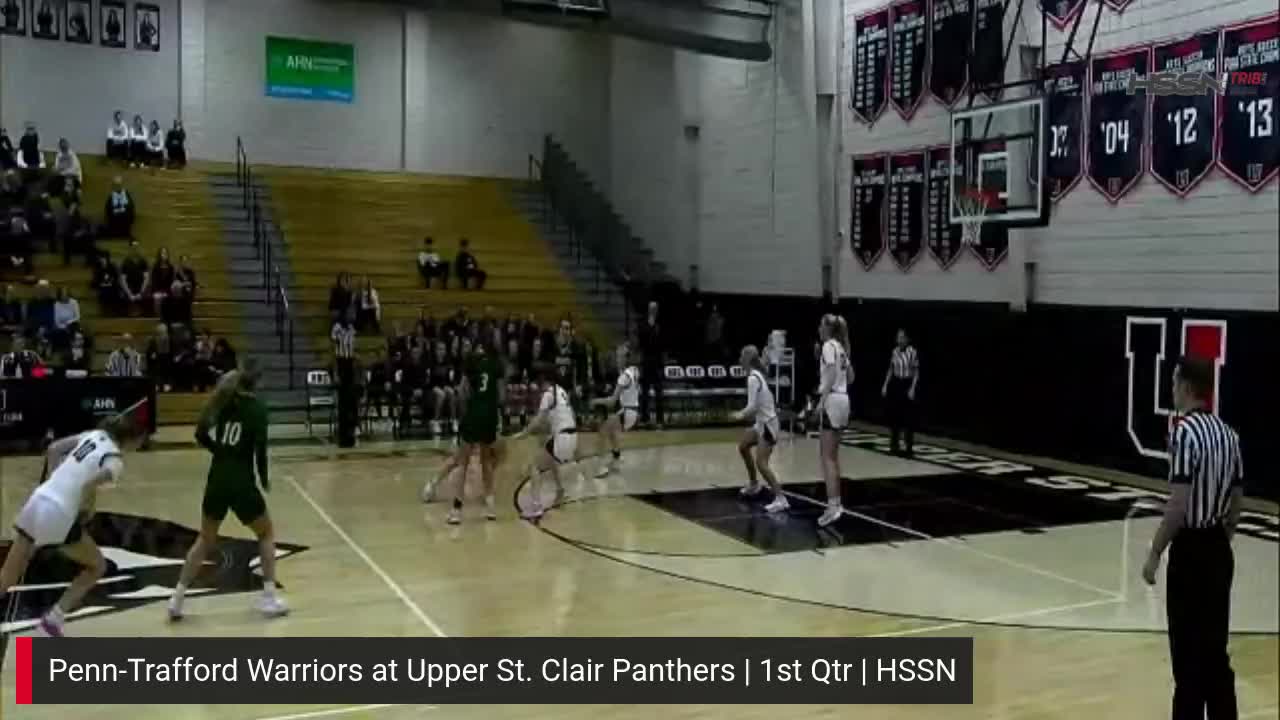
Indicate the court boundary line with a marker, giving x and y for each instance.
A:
(347, 710)
(360, 552)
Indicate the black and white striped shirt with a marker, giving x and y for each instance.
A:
(1204, 452)
(904, 363)
(124, 362)
(344, 341)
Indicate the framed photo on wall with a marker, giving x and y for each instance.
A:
(13, 17)
(80, 21)
(46, 19)
(146, 27)
(113, 26)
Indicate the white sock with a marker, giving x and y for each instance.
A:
(179, 592)
(269, 588)
(835, 503)
(55, 613)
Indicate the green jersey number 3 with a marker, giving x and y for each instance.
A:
(484, 382)
(229, 434)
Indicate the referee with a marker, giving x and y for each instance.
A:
(1206, 477)
(343, 336)
(899, 392)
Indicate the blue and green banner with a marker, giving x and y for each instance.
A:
(311, 69)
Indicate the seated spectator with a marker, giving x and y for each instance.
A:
(77, 235)
(124, 361)
(177, 306)
(412, 375)
(154, 153)
(119, 212)
(66, 318)
(224, 356)
(426, 326)
(159, 358)
(431, 265)
(106, 283)
(175, 143)
(17, 245)
(186, 275)
(118, 139)
(397, 340)
(368, 308)
(182, 347)
(77, 355)
(40, 309)
(68, 176)
(160, 282)
(468, 269)
(137, 142)
(11, 314)
(30, 159)
(8, 158)
(340, 297)
(19, 362)
(444, 397)
(12, 194)
(133, 277)
(457, 326)
(42, 343)
(378, 385)
(41, 219)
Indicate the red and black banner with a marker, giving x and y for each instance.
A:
(1117, 5)
(988, 47)
(867, 225)
(870, 65)
(1248, 143)
(1061, 12)
(952, 29)
(910, 47)
(1064, 165)
(944, 236)
(906, 208)
(1184, 128)
(1117, 122)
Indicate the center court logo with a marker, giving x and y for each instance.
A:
(1150, 354)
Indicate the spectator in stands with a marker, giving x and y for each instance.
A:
(77, 356)
(154, 153)
(41, 219)
(133, 277)
(177, 308)
(182, 348)
(66, 318)
(124, 361)
(186, 275)
(12, 194)
(340, 297)
(175, 143)
(137, 142)
(106, 283)
(397, 340)
(30, 159)
(11, 314)
(8, 158)
(413, 372)
(378, 385)
(444, 398)
(40, 309)
(119, 212)
(458, 325)
(19, 362)
(159, 283)
(224, 356)
(431, 265)
(468, 268)
(368, 308)
(77, 235)
(18, 245)
(651, 352)
(68, 176)
(42, 344)
(118, 139)
(159, 357)
(426, 325)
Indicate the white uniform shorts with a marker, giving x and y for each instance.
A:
(835, 416)
(563, 446)
(629, 417)
(768, 431)
(45, 521)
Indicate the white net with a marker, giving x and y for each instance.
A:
(972, 211)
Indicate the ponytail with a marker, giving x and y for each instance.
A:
(754, 361)
(841, 334)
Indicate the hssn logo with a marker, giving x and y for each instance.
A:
(905, 670)
(299, 62)
(1150, 356)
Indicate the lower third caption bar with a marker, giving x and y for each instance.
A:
(211, 671)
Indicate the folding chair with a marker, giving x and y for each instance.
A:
(320, 396)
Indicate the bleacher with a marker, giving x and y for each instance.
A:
(173, 211)
(373, 224)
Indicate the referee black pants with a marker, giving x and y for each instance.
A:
(1201, 566)
(902, 413)
(651, 379)
(348, 403)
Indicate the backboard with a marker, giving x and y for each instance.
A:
(997, 151)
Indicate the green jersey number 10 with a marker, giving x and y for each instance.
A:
(228, 434)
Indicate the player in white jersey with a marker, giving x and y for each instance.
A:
(555, 418)
(626, 398)
(62, 505)
(836, 373)
(764, 433)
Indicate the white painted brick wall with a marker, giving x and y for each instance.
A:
(1215, 249)
(70, 90)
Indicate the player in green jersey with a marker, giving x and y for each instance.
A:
(233, 427)
(484, 390)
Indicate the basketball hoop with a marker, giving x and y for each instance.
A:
(972, 206)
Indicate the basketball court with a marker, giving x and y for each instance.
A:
(1042, 575)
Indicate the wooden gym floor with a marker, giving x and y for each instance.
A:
(1042, 574)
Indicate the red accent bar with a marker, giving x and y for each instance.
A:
(22, 682)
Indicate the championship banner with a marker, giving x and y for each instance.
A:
(870, 65)
(952, 28)
(944, 236)
(1184, 128)
(531, 671)
(1064, 85)
(1248, 143)
(906, 208)
(867, 226)
(1117, 122)
(988, 47)
(909, 54)
(1061, 12)
(310, 70)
